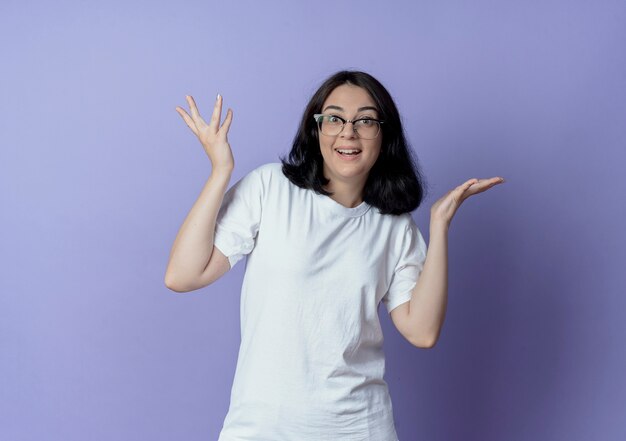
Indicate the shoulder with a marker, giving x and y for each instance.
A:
(400, 224)
(259, 180)
(412, 232)
(270, 174)
(405, 220)
(409, 223)
(406, 234)
(268, 169)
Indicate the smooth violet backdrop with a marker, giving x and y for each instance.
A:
(98, 171)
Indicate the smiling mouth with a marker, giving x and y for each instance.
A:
(348, 152)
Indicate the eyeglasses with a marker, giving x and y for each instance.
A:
(332, 125)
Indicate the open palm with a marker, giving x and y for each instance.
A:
(444, 209)
(214, 139)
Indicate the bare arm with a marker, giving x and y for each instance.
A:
(194, 261)
(420, 320)
(193, 247)
(427, 308)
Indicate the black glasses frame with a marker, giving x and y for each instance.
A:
(319, 117)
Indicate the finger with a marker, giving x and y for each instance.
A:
(226, 125)
(217, 113)
(457, 193)
(482, 185)
(467, 184)
(187, 119)
(195, 114)
(494, 180)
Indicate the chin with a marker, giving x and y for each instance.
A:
(350, 171)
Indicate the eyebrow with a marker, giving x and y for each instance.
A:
(360, 109)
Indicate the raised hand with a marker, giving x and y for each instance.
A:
(212, 137)
(444, 209)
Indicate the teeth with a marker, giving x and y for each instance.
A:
(348, 151)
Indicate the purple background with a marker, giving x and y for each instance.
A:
(98, 171)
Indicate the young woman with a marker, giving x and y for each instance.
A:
(328, 235)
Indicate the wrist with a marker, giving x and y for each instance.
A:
(222, 172)
(222, 177)
(439, 226)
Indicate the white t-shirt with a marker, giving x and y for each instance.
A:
(311, 362)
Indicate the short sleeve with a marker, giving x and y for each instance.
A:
(412, 255)
(239, 217)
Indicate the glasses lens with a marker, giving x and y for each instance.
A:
(367, 128)
(330, 125)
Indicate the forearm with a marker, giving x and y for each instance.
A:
(193, 245)
(429, 300)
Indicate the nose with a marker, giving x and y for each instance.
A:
(348, 132)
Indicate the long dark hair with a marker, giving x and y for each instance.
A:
(394, 185)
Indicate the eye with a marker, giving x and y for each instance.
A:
(366, 122)
(334, 119)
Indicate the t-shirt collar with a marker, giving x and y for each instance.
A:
(335, 207)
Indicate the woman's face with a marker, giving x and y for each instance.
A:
(349, 102)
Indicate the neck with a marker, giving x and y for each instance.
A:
(348, 195)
